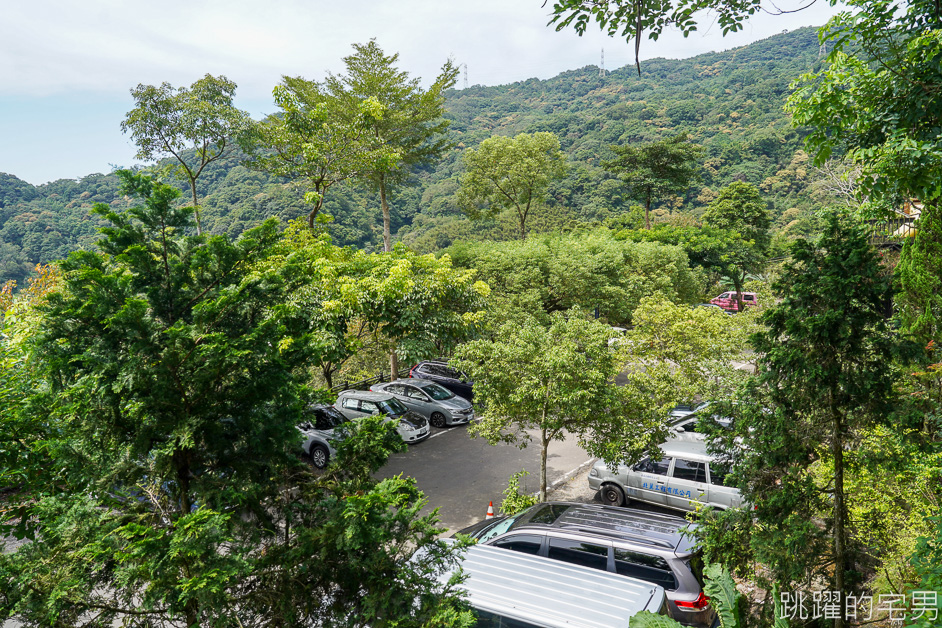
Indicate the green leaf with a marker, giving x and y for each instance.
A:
(647, 619)
(724, 597)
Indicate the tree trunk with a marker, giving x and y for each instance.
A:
(737, 284)
(313, 213)
(196, 207)
(837, 451)
(387, 238)
(647, 213)
(544, 445)
(393, 365)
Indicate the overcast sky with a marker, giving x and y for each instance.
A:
(66, 67)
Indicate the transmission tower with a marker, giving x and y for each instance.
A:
(465, 67)
(602, 67)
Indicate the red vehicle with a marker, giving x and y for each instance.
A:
(728, 301)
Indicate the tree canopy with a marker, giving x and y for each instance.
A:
(167, 121)
(506, 173)
(411, 127)
(653, 170)
(168, 381)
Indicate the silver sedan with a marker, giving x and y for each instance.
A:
(438, 404)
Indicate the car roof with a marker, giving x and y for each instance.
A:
(411, 381)
(554, 593)
(691, 450)
(368, 395)
(652, 530)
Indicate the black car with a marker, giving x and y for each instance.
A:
(445, 376)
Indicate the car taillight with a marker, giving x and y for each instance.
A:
(698, 604)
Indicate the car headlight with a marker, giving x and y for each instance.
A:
(405, 424)
(594, 472)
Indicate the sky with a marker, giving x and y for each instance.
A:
(67, 67)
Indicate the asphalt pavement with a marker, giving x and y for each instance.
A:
(460, 475)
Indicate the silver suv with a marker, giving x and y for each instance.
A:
(356, 404)
(645, 545)
(685, 478)
(320, 433)
(438, 404)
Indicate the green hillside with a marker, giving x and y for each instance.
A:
(730, 102)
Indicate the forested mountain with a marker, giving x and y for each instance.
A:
(730, 102)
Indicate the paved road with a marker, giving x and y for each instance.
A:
(460, 475)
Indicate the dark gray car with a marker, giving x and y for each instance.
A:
(645, 545)
(438, 404)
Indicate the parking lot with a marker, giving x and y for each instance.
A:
(460, 475)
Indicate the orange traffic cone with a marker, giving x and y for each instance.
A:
(490, 511)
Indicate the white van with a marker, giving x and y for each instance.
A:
(513, 589)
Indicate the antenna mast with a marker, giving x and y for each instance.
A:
(602, 67)
(465, 66)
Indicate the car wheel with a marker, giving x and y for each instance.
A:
(319, 456)
(612, 495)
(437, 419)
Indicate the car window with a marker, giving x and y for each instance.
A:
(437, 370)
(718, 474)
(498, 528)
(395, 389)
(392, 407)
(351, 404)
(579, 553)
(689, 470)
(689, 425)
(526, 543)
(644, 567)
(327, 418)
(657, 467)
(487, 619)
(368, 406)
(412, 392)
(438, 393)
(549, 513)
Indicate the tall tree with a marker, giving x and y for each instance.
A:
(554, 380)
(740, 208)
(654, 170)
(824, 375)
(169, 395)
(317, 140)
(510, 173)
(168, 121)
(410, 126)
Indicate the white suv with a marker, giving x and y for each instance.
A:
(356, 404)
(685, 477)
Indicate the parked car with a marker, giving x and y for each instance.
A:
(444, 375)
(320, 432)
(356, 404)
(436, 403)
(681, 410)
(513, 590)
(639, 544)
(728, 301)
(685, 477)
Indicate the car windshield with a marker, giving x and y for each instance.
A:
(392, 407)
(327, 418)
(498, 528)
(437, 392)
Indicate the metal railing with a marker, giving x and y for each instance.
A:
(364, 384)
(891, 233)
